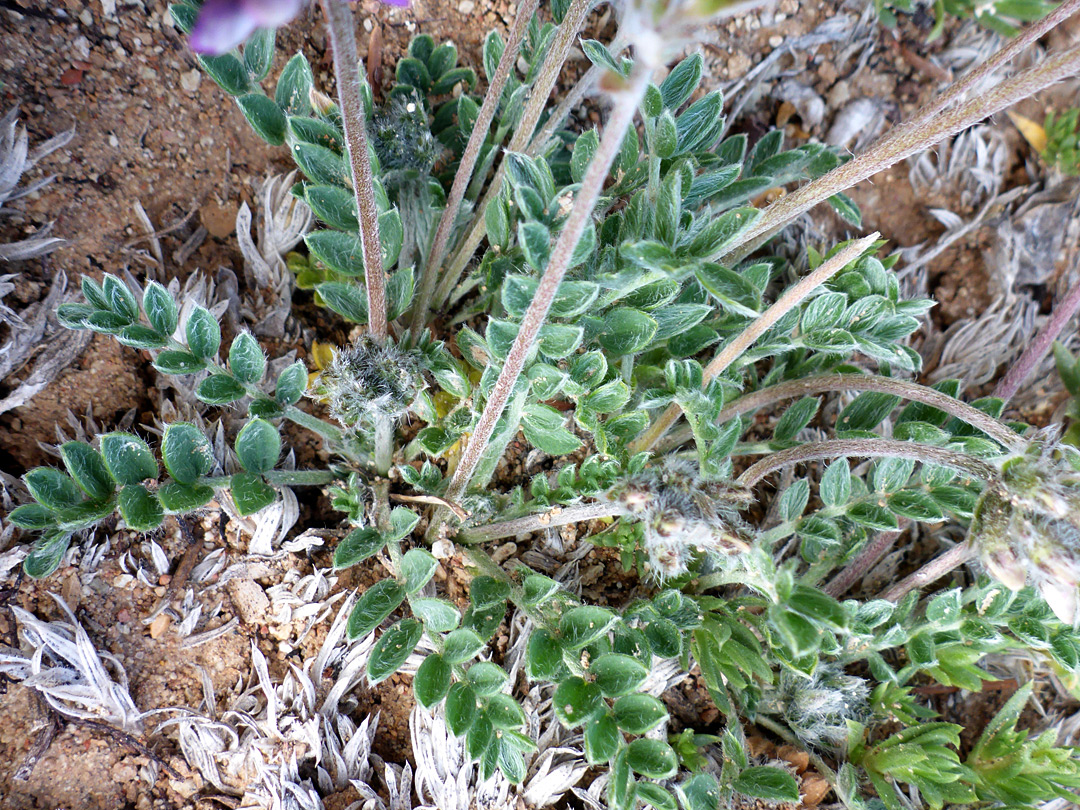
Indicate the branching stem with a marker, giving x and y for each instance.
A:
(764, 322)
(867, 448)
(867, 382)
(340, 24)
(467, 164)
(626, 104)
(534, 108)
(905, 140)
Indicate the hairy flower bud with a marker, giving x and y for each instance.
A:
(818, 709)
(682, 515)
(366, 380)
(1026, 526)
(402, 140)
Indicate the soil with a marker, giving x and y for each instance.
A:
(152, 131)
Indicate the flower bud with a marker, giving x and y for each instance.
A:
(366, 380)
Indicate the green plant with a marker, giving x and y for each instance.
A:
(1000, 16)
(1063, 141)
(622, 287)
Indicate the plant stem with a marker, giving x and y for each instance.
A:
(1012, 48)
(331, 434)
(622, 115)
(340, 24)
(1033, 355)
(785, 734)
(863, 563)
(764, 322)
(300, 478)
(384, 444)
(932, 571)
(867, 448)
(556, 516)
(468, 163)
(921, 133)
(534, 108)
(868, 382)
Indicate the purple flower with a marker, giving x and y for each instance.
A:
(224, 24)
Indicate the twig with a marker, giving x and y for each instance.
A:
(764, 322)
(468, 163)
(932, 571)
(1033, 355)
(340, 24)
(867, 448)
(44, 738)
(868, 382)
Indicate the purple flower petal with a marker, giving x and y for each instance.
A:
(221, 26)
(224, 24)
(272, 13)
(398, 3)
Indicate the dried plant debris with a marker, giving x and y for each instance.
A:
(16, 158)
(34, 335)
(60, 662)
(282, 222)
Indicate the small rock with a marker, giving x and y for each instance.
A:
(249, 600)
(71, 77)
(466, 6)
(814, 789)
(219, 218)
(123, 616)
(190, 81)
(159, 625)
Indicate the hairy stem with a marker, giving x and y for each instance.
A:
(556, 516)
(867, 448)
(917, 135)
(1033, 355)
(384, 444)
(468, 163)
(863, 563)
(534, 108)
(764, 322)
(933, 570)
(310, 478)
(339, 22)
(866, 382)
(622, 115)
(331, 434)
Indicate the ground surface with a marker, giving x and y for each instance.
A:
(152, 131)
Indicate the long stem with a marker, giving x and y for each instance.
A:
(468, 163)
(933, 570)
(867, 382)
(557, 516)
(534, 108)
(1039, 347)
(340, 24)
(764, 322)
(866, 448)
(902, 142)
(592, 184)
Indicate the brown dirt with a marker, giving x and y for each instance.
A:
(152, 130)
